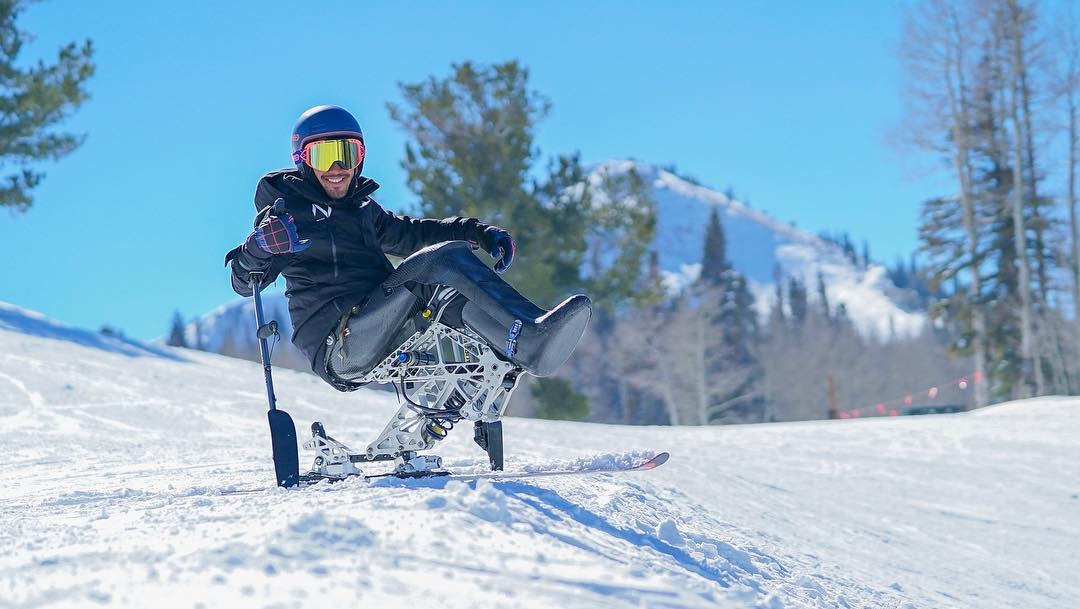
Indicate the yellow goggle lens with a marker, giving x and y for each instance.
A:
(323, 154)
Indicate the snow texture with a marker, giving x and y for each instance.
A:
(147, 482)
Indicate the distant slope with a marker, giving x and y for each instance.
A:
(23, 321)
(757, 244)
(230, 330)
(122, 472)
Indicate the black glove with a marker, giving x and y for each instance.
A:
(498, 242)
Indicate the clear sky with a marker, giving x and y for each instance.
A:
(788, 102)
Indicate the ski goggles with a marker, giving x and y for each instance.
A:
(323, 154)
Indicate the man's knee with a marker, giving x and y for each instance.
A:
(441, 263)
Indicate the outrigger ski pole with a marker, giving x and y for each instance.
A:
(282, 428)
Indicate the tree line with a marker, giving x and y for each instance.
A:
(993, 91)
(708, 356)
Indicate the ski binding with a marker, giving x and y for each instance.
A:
(336, 461)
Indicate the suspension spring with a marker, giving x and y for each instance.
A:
(435, 429)
(438, 425)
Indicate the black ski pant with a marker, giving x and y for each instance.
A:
(537, 340)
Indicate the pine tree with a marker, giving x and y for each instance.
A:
(621, 224)
(777, 313)
(898, 274)
(556, 399)
(655, 279)
(32, 102)
(823, 296)
(797, 300)
(200, 344)
(471, 153)
(176, 333)
(726, 332)
(849, 249)
(714, 259)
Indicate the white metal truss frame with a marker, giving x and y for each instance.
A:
(451, 375)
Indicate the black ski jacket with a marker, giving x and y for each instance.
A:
(350, 238)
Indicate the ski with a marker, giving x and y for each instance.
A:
(643, 464)
(637, 465)
(652, 463)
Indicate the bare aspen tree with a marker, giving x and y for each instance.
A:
(1061, 62)
(1030, 49)
(1014, 21)
(1030, 45)
(936, 48)
(662, 336)
(671, 403)
(1069, 84)
(641, 362)
(700, 364)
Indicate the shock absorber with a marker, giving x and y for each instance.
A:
(437, 426)
(415, 357)
(435, 430)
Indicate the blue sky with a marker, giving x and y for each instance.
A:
(790, 103)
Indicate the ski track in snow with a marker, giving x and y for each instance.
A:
(147, 482)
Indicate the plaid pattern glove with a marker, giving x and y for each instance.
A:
(498, 242)
(277, 235)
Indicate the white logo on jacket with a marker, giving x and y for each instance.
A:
(316, 210)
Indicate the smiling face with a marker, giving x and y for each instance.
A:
(336, 180)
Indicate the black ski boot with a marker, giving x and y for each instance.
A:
(538, 341)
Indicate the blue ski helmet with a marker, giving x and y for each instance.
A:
(323, 123)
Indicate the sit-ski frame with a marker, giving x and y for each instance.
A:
(444, 375)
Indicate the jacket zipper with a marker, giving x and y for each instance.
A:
(333, 251)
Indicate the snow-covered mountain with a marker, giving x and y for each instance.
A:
(757, 244)
(143, 479)
(230, 330)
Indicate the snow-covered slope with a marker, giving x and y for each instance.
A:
(757, 244)
(19, 320)
(119, 477)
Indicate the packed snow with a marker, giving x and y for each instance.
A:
(143, 478)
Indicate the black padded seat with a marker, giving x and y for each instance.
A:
(380, 325)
